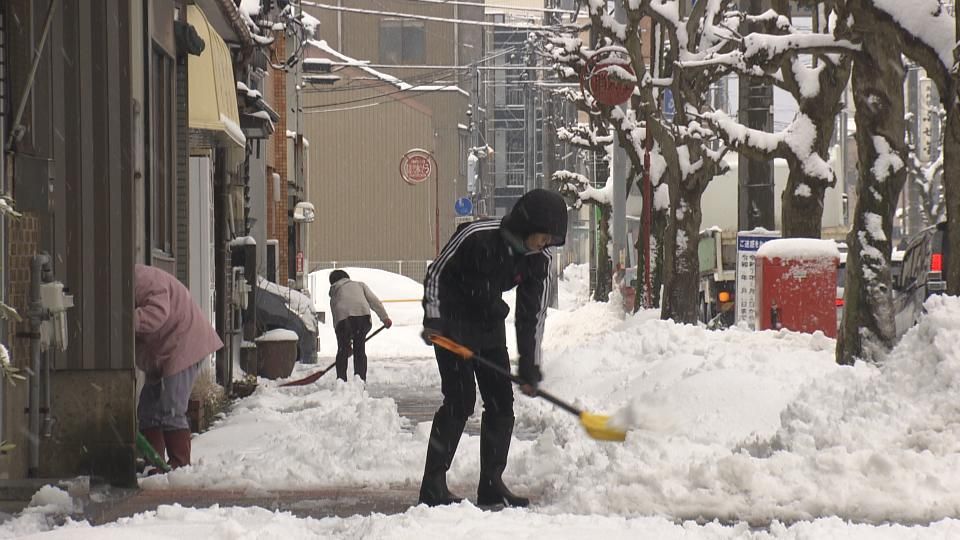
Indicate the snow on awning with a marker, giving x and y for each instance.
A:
(212, 87)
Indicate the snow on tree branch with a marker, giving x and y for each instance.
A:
(927, 21)
(796, 140)
(888, 161)
(761, 47)
(584, 136)
(578, 186)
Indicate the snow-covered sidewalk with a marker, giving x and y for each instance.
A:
(751, 434)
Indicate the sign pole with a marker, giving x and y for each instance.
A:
(647, 219)
(416, 166)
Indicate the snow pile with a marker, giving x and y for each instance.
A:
(755, 429)
(50, 499)
(303, 437)
(48, 506)
(401, 296)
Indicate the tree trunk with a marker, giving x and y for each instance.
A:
(802, 199)
(867, 331)
(802, 208)
(604, 269)
(951, 188)
(658, 226)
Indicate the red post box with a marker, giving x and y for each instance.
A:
(797, 285)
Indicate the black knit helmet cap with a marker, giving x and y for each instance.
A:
(539, 211)
(337, 275)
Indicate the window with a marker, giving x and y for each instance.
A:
(402, 42)
(162, 115)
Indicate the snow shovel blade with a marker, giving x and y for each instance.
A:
(315, 376)
(596, 425)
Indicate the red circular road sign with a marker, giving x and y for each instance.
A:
(416, 166)
(602, 85)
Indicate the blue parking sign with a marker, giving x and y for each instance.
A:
(463, 206)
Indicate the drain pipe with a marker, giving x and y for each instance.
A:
(39, 272)
(3, 187)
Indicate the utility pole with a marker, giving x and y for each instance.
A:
(912, 219)
(529, 121)
(755, 201)
(549, 139)
(619, 173)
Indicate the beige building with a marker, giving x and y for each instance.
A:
(365, 210)
(394, 86)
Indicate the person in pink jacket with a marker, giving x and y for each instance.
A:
(172, 337)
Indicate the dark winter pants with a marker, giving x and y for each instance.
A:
(352, 332)
(457, 378)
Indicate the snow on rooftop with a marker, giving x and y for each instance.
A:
(399, 83)
(310, 22)
(439, 88)
(323, 46)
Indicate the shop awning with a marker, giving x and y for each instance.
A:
(213, 91)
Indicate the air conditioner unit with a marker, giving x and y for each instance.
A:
(304, 212)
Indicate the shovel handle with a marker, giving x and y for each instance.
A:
(375, 332)
(467, 354)
(313, 377)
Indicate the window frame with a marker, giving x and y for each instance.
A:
(162, 148)
(409, 33)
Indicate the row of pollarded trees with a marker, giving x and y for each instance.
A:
(863, 43)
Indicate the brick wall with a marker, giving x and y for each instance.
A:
(23, 246)
(182, 186)
(279, 223)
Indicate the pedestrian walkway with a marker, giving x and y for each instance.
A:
(105, 504)
(418, 405)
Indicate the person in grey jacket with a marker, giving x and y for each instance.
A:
(350, 304)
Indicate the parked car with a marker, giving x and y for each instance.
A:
(920, 275)
(841, 279)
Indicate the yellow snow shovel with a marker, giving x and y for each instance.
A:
(597, 425)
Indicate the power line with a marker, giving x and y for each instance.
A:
(495, 6)
(505, 67)
(319, 109)
(413, 81)
(430, 18)
(447, 71)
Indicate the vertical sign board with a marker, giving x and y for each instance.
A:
(748, 242)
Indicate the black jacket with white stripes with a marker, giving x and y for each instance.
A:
(463, 288)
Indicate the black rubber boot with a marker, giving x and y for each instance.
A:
(495, 433)
(444, 438)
